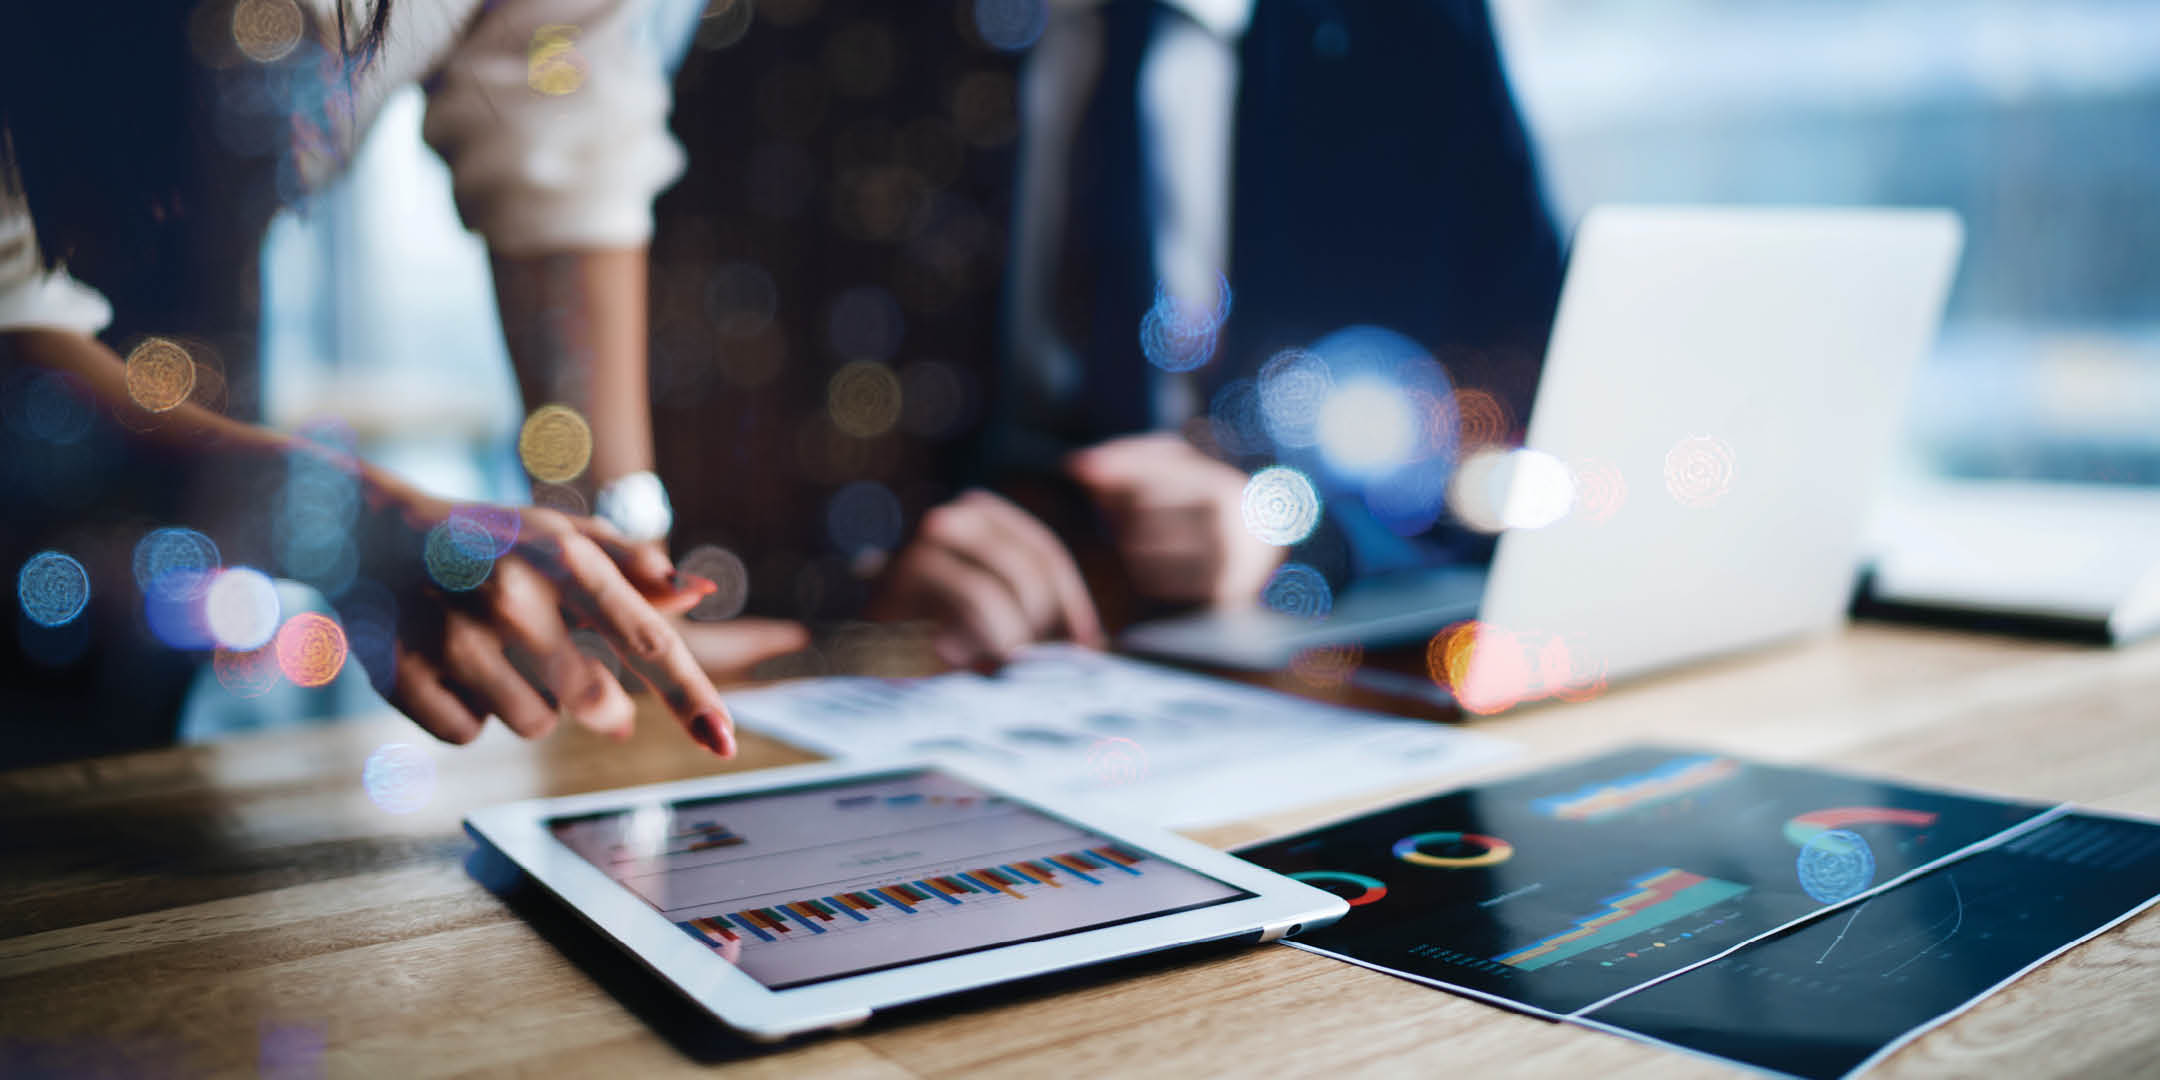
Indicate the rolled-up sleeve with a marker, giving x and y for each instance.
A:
(553, 117)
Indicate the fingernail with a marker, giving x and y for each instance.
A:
(703, 586)
(710, 730)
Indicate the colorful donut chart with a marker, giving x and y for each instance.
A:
(1496, 850)
(1814, 823)
(1374, 887)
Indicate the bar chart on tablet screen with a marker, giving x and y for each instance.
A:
(875, 908)
(797, 886)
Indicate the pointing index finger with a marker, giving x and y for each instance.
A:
(596, 588)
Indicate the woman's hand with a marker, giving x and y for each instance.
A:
(1178, 516)
(498, 612)
(488, 600)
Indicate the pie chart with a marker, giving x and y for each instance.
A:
(1453, 850)
(1370, 889)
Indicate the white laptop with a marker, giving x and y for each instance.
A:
(1732, 381)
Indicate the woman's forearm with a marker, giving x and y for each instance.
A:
(187, 428)
(224, 468)
(575, 324)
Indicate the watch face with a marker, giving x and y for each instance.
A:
(637, 504)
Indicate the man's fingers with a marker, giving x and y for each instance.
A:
(1126, 461)
(981, 608)
(976, 529)
(1075, 608)
(997, 576)
(418, 692)
(959, 649)
(1173, 579)
(1180, 525)
(728, 650)
(474, 661)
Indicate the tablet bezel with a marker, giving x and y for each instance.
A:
(520, 832)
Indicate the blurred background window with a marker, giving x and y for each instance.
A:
(378, 310)
(2039, 123)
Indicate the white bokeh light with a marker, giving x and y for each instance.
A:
(241, 608)
(1366, 426)
(1471, 492)
(399, 777)
(647, 829)
(1539, 489)
(1280, 506)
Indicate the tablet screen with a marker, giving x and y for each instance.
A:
(799, 885)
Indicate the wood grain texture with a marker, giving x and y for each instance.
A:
(224, 909)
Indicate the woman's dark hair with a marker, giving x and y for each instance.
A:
(103, 114)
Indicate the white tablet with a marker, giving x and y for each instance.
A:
(790, 900)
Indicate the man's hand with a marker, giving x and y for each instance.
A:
(993, 578)
(1179, 520)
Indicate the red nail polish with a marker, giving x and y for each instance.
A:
(703, 586)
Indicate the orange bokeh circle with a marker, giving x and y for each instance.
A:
(311, 649)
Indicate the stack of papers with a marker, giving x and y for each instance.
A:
(1172, 748)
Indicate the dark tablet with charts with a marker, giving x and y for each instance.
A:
(1562, 889)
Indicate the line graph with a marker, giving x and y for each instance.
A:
(1954, 916)
(1843, 930)
(1827, 998)
(1956, 926)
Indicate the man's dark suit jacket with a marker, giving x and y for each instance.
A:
(1382, 176)
(1392, 183)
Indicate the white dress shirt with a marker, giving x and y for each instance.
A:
(533, 170)
(1188, 97)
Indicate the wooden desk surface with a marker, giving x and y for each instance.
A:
(219, 909)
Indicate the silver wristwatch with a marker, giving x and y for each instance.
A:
(636, 504)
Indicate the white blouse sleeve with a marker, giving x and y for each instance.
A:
(553, 117)
(30, 294)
